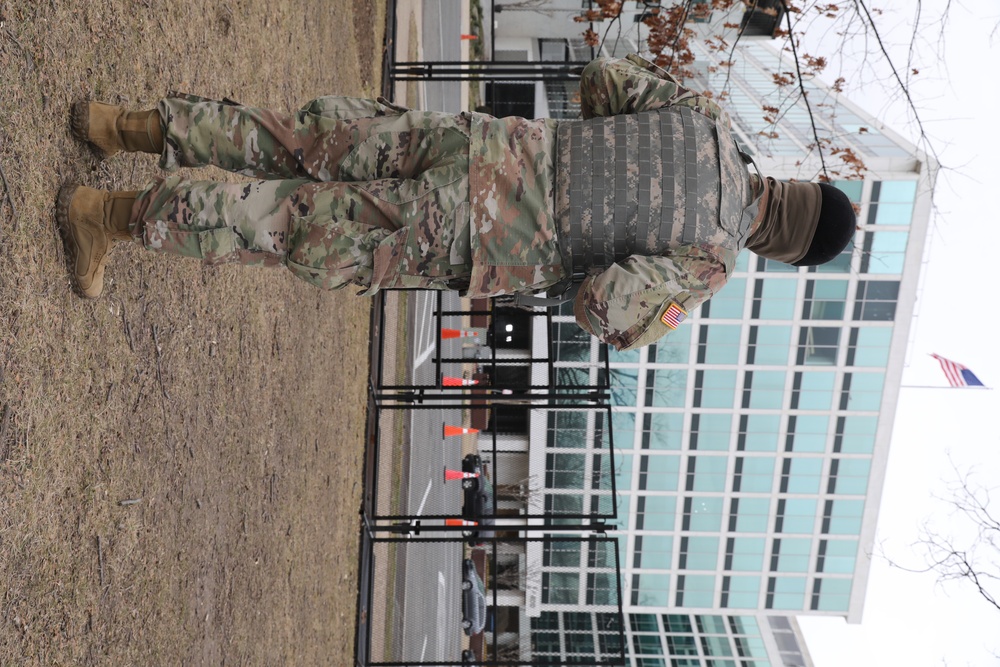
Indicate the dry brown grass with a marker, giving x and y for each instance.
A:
(180, 460)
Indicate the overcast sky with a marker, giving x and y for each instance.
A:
(910, 619)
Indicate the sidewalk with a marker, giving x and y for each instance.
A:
(431, 30)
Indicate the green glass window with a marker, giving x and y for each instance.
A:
(623, 429)
(764, 389)
(659, 472)
(719, 344)
(695, 590)
(825, 300)
(749, 515)
(837, 556)
(742, 592)
(675, 348)
(654, 589)
(677, 623)
(647, 644)
(667, 387)
(850, 188)
(657, 552)
(567, 428)
(884, 252)
(876, 300)
(742, 262)
(718, 646)
(786, 593)
(831, 594)
(801, 475)
(808, 433)
(818, 346)
(565, 471)
(657, 513)
(754, 474)
(772, 266)
(702, 514)
(628, 357)
(745, 554)
(813, 390)
(625, 386)
(790, 555)
(796, 515)
(560, 587)
(715, 388)
(623, 476)
(745, 625)
(869, 346)
(707, 473)
(892, 203)
(759, 433)
(664, 430)
(699, 553)
(774, 299)
(561, 553)
(849, 476)
(855, 434)
(711, 432)
(729, 301)
(862, 391)
(769, 345)
(572, 343)
(842, 517)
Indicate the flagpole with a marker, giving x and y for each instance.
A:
(931, 386)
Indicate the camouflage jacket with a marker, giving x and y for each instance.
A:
(515, 237)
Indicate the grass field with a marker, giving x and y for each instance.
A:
(180, 461)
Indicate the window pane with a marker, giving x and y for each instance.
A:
(863, 391)
(818, 346)
(825, 300)
(709, 473)
(753, 515)
(767, 390)
(702, 553)
(816, 390)
(713, 432)
(791, 555)
(761, 433)
(665, 430)
(777, 298)
(719, 344)
(662, 472)
(858, 434)
(809, 433)
(803, 475)
(757, 474)
(872, 347)
(748, 554)
(674, 349)
(698, 590)
(771, 345)
(718, 388)
(705, 515)
(669, 388)
(730, 301)
(789, 593)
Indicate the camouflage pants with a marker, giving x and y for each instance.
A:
(347, 191)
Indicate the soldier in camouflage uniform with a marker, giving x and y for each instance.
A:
(360, 192)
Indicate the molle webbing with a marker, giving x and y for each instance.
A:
(634, 183)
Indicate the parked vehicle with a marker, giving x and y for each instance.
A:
(473, 599)
(478, 503)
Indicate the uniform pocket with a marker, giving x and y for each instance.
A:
(212, 246)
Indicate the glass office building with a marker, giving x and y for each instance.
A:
(752, 442)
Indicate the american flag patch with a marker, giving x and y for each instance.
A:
(673, 316)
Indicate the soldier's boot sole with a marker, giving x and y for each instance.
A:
(90, 221)
(112, 129)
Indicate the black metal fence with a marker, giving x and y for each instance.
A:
(489, 484)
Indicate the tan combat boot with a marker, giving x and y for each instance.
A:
(112, 128)
(90, 221)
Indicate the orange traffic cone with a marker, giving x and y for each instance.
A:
(457, 333)
(458, 474)
(458, 430)
(457, 382)
(460, 522)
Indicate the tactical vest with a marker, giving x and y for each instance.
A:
(647, 182)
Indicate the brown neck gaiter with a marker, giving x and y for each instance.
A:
(789, 222)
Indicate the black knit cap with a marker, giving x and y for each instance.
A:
(835, 229)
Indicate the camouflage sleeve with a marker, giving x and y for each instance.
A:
(612, 86)
(624, 305)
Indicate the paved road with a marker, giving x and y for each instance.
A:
(432, 614)
(441, 35)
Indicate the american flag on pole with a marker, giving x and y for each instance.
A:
(957, 374)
